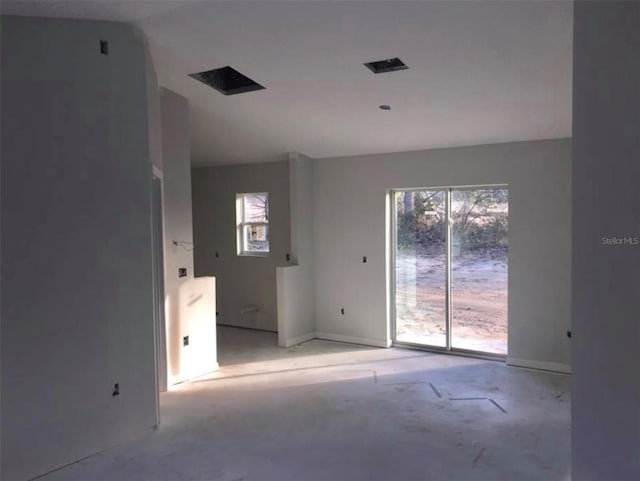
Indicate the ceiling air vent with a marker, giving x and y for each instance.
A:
(227, 81)
(388, 65)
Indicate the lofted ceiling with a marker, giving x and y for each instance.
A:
(479, 71)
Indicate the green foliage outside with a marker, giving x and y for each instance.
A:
(479, 219)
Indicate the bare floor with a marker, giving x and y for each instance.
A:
(331, 411)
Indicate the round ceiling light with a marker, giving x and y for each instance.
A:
(385, 107)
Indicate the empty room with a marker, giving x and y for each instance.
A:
(320, 240)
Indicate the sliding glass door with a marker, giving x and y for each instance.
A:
(450, 268)
(421, 261)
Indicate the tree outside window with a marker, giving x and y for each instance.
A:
(252, 213)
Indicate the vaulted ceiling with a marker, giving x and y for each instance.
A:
(479, 72)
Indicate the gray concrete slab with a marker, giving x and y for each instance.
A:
(330, 411)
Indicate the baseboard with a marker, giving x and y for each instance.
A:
(352, 340)
(298, 340)
(541, 365)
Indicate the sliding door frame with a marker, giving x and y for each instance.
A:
(393, 229)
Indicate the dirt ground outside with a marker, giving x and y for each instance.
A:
(479, 298)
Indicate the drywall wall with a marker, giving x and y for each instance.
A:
(351, 218)
(606, 205)
(77, 301)
(241, 281)
(178, 227)
(296, 284)
(153, 110)
(196, 331)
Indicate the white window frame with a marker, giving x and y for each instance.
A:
(241, 224)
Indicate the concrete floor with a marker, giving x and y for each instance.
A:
(328, 411)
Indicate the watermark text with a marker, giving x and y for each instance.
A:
(620, 241)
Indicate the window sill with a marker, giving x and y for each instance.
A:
(253, 254)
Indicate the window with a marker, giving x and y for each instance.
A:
(252, 215)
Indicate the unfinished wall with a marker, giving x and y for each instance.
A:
(77, 303)
(606, 205)
(182, 294)
(241, 281)
(296, 284)
(153, 110)
(350, 221)
(192, 334)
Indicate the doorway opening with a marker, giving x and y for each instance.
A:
(450, 269)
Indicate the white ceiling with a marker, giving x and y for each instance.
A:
(480, 72)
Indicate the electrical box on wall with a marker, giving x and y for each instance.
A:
(182, 272)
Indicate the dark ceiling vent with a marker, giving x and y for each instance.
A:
(227, 80)
(388, 65)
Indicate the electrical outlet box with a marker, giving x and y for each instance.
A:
(182, 272)
(116, 389)
(185, 341)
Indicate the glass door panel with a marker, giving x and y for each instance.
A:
(420, 267)
(479, 247)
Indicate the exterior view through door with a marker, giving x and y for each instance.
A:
(450, 267)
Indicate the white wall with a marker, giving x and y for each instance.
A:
(153, 109)
(240, 280)
(296, 284)
(178, 226)
(350, 221)
(77, 302)
(606, 203)
(196, 318)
